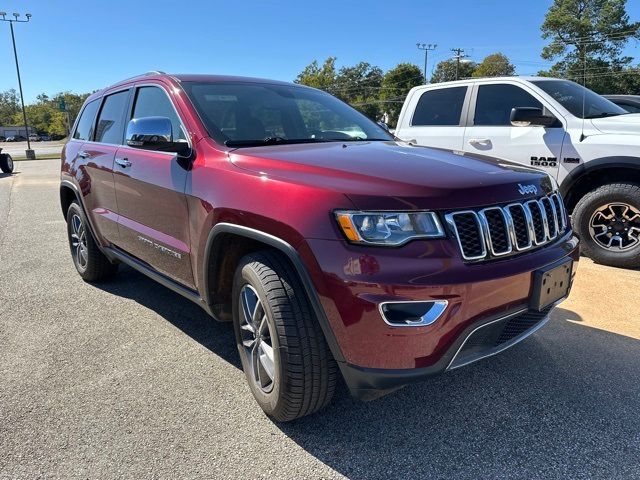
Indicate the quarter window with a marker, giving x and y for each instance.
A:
(110, 127)
(442, 106)
(495, 102)
(153, 102)
(84, 129)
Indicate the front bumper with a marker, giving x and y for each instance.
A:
(378, 356)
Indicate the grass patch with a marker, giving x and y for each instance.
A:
(48, 156)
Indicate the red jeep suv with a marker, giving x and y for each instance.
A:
(333, 248)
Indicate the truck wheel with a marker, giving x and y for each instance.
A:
(284, 355)
(90, 262)
(6, 163)
(607, 220)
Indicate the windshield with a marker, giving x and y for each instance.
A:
(253, 114)
(571, 96)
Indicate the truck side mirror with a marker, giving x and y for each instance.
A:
(531, 116)
(155, 133)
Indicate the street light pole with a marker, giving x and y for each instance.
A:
(30, 153)
(427, 48)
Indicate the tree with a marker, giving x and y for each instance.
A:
(446, 70)
(494, 65)
(395, 85)
(322, 77)
(589, 35)
(360, 86)
(9, 106)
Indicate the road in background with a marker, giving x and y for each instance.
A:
(127, 379)
(17, 149)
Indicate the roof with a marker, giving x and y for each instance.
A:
(483, 79)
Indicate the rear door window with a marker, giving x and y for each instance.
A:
(495, 102)
(84, 129)
(110, 127)
(440, 107)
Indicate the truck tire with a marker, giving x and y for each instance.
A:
(607, 220)
(89, 261)
(285, 357)
(6, 163)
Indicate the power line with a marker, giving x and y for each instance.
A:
(459, 54)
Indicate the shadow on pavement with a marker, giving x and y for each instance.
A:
(563, 403)
(183, 314)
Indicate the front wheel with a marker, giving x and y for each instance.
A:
(6, 163)
(284, 355)
(608, 222)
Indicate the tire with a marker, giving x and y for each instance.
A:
(89, 261)
(304, 373)
(6, 163)
(589, 222)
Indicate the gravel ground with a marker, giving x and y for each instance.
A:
(129, 380)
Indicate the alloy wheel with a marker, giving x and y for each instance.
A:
(616, 226)
(256, 337)
(79, 246)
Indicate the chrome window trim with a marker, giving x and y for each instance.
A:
(426, 319)
(450, 218)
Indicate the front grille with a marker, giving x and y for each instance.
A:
(498, 335)
(503, 230)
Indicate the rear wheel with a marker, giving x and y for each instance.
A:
(6, 163)
(89, 261)
(284, 355)
(608, 222)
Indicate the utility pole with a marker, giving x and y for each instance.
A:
(30, 153)
(459, 54)
(427, 48)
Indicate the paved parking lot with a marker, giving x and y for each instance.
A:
(127, 379)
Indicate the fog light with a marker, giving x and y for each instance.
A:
(412, 314)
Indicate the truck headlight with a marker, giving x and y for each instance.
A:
(388, 228)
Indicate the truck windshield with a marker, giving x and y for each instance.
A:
(580, 101)
(241, 114)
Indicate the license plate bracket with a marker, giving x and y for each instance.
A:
(550, 285)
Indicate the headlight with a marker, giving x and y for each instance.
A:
(388, 228)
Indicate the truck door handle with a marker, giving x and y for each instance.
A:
(83, 154)
(480, 141)
(123, 162)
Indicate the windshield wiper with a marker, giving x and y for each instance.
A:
(270, 141)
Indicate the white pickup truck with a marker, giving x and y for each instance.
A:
(590, 145)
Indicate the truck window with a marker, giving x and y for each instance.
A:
(84, 129)
(494, 104)
(442, 106)
(110, 127)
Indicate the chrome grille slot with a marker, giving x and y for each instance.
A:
(505, 230)
(495, 227)
(466, 226)
(521, 226)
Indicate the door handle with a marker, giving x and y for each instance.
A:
(479, 141)
(83, 154)
(123, 162)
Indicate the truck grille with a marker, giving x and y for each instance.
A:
(506, 230)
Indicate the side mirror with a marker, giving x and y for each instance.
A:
(531, 116)
(155, 133)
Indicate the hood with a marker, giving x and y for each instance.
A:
(620, 124)
(392, 175)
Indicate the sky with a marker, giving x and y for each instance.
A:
(81, 46)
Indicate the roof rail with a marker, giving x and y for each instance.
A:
(146, 74)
